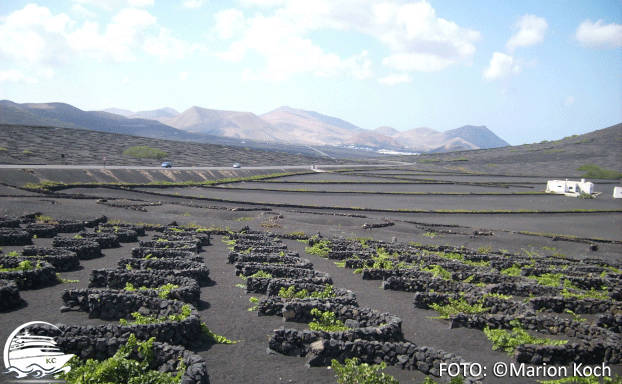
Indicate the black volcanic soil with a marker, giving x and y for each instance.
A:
(226, 310)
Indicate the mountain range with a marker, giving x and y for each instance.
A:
(283, 125)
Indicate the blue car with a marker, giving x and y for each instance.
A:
(166, 164)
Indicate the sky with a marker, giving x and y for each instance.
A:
(527, 70)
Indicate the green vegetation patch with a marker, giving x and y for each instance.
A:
(353, 373)
(292, 293)
(25, 265)
(163, 291)
(551, 151)
(145, 152)
(152, 319)
(456, 306)
(429, 161)
(596, 172)
(508, 341)
(320, 248)
(120, 368)
(326, 321)
(458, 159)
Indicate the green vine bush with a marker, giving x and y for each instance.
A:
(120, 368)
(320, 248)
(353, 373)
(508, 341)
(326, 321)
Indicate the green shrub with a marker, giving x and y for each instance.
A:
(456, 306)
(353, 373)
(26, 153)
(2, 149)
(485, 249)
(320, 248)
(152, 319)
(64, 281)
(217, 339)
(292, 293)
(438, 271)
(584, 195)
(120, 368)
(326, 321)
(25, 265)
(548, 279)
(428, 161)
(508, 341)
(584, 380)
(596, 172)
(145, 152)
(514, 270)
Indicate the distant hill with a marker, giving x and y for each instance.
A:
(239, 125)
(284, 125)
(72, 117)
(308, 127)
(155, 114)
(428, 140)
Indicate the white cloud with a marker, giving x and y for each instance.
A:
(125, 80)
(192, 4)
(229, 23)
(424, 62)
(15, 76)
(569, 101)
(139, 3)
(501, 67)
(418, 38)
(183, 75)
(394, 79)
(531, 30)
(111, 5)
(597, 35)
(281, 39)
(82, 12)
(34, 36)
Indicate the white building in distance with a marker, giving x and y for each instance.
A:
(569, 188)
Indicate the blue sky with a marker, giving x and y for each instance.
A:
(528, 70)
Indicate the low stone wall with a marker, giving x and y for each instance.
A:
(286, 257)
(95, 222)
(193, 246)
(596, 345)
(310, 284)
(123, 235)
(422, 284)
(188, 291)
(494, 305)
(85, 249)
(176, 267)
(165, 253)
(63, 260)
(203, 240)
(367, 324)
(42, 230)
(166, 357)
(12, 237)
(611, 321)
(9, 295)
(139, 229)
(9, 222)
(262, 248)
(41, 277)
(560, 304)
(273, 305)
(283, 271)
(114, 305)
(105, 240)
(70, 226)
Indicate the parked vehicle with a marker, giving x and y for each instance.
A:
(166, 164)
(237, 165)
